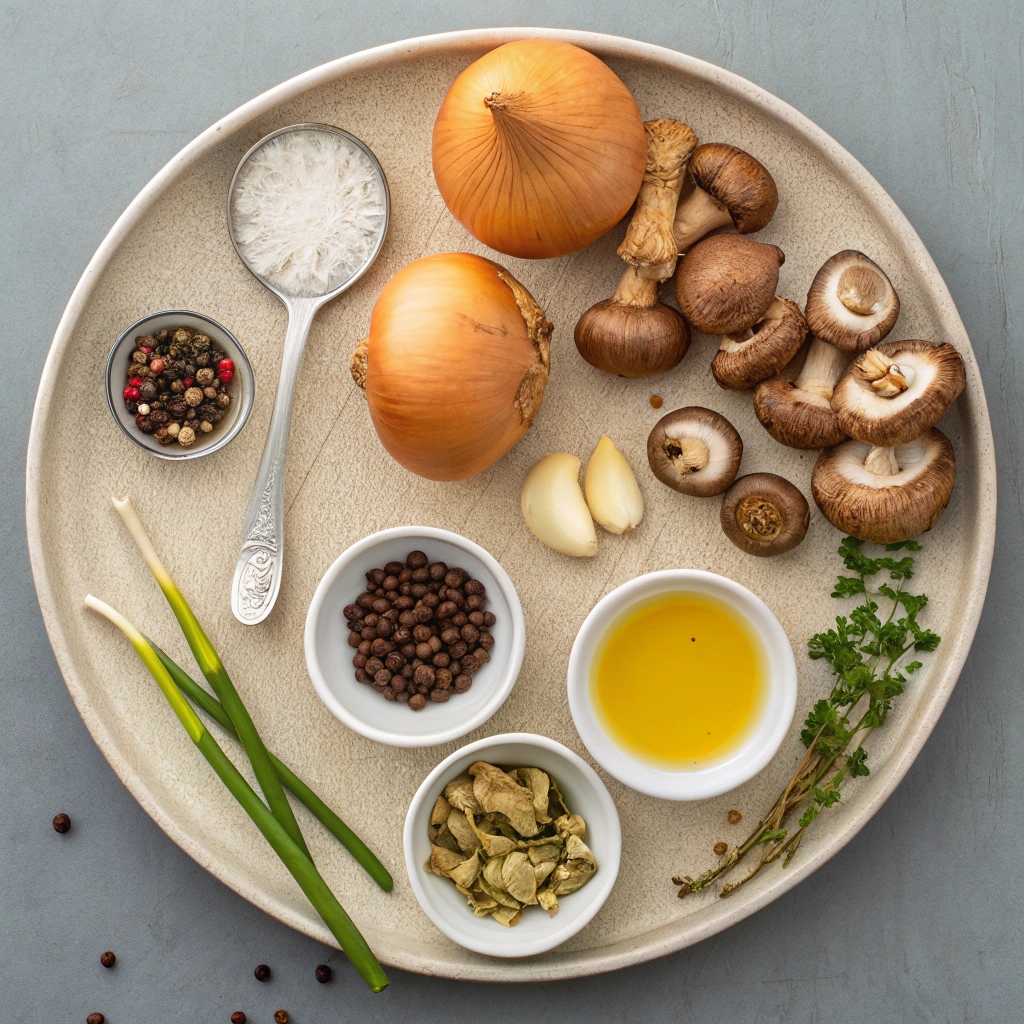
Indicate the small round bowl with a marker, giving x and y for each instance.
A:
(715, 777)
(536, 931)
(359, 706)
(243, 389)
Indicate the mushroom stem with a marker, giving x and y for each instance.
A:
(636, 290)
(688, 454)
(861, 290)
(822, 369)
(649, 243)
(697, 215)
(882, 462)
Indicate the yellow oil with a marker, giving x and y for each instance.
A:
(680, 680)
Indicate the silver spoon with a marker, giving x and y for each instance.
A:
(257, 578)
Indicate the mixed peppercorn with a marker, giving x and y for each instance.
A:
(177, 385)
(420, 631)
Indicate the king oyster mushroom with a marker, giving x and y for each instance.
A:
(754, 355)
(695, 451)
(851, 302)
(799, 413)
(729, 189)
(885, 494)
(725, 283)
(895, 392)
(763, 514)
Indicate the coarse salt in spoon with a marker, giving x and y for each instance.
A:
(307, 213)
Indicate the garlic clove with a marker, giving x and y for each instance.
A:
(554, 507)
(612, 493)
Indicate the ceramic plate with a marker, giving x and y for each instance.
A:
(170, 249)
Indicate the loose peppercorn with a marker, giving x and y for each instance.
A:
(281, 1017)
(108, 959)
(95, 1018)
(238, 1017)
(61, 823)
(323, 972)
(734, 817)
(411, 619)
(720, 849)
(262, 972)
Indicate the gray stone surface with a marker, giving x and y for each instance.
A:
(916, 920)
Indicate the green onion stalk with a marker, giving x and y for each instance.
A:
(294, 857)
(213, 669)
(208, 703)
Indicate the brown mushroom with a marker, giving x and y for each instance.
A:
(798, 413)
(729, 189)
(695, 451)
(764, 514)
(754, 355)
(885, 495)
(895, 392)
(725, 283)
(851, 303)
(632, 334)
(650, 244)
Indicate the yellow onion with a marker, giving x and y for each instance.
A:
(539, 148)
(455, 366)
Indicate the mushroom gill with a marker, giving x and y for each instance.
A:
(895, 392)
(695, 451)
(851, 302)
(885, 494)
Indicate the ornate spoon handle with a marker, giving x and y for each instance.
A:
(258, 570)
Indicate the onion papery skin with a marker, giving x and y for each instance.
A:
(454, 371)
(539, 148)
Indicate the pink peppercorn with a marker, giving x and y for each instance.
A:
(225, 364)
(226, 376)
(131, 394)
(157, 365)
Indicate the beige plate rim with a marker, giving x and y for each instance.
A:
(883, 782)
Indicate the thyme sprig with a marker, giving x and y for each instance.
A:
(866, 654)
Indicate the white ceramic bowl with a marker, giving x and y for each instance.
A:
(536, 931)
(715, 777)
(359, 706)
(242, 389)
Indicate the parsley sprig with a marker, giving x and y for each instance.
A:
(866, 653)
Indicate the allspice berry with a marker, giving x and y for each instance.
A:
(95, 1018)
(186, 436)
(238, 1017)
(735, 817)
(323, 974)
(61, 823)
(108, 959)
(193, 396)
(281, 1017)
(720, 849)
(262, 972)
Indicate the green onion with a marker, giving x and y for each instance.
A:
(208, 703)
(212, 667)
(295, 859)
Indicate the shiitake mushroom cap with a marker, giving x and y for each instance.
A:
(885, 508)
(775, 338)
(931, 377)
(738, 181)
(726, 282)
(695, 451)
(632, 341)
(764, 514)
(851, 302)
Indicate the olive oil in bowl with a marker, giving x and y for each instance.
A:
(680, 680)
